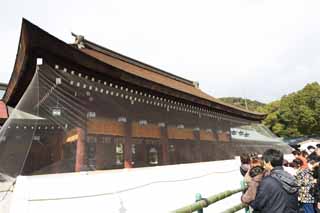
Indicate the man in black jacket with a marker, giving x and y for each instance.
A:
(278, 191)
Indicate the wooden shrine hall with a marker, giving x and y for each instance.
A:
(82, 107)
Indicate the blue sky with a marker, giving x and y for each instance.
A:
(248, 48)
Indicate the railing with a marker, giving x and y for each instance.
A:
(202, 203)
(236, 208)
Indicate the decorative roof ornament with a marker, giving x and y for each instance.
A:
(79, 40)
(196, 84)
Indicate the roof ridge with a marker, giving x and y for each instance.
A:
(84, 43)
(36, 38)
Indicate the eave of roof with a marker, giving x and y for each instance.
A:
(96, 47)
(148, 72)
(35, 42)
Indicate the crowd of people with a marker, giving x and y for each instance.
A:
(275, 185)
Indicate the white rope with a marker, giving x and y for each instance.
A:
(130, 189)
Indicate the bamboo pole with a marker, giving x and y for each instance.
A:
(202, 203)
(235, 208)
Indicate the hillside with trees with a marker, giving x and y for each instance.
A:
(241, 102)
(294, 115)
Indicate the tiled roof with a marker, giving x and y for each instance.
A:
(141, 72)
(35, 42)
(148, 72)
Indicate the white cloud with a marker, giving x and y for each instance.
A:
(254, 48)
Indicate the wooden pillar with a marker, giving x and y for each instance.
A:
(80, 151)
(58, 151)
(196, 133)
(62, 138)
(128, 145)
(164, 144)
(100, 155)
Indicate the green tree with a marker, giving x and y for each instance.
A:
(296, 114)
(243, 103)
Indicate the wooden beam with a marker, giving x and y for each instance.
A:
(164, 144)
(198, 155)
(80, 151)
(128, 144)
